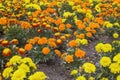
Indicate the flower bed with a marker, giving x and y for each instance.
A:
(45, 29)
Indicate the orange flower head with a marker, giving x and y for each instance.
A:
(72, 43)
(21, 51)
(25, 25)
(80, 53)
(68, 25)
(52, 44)
(63, 38)
(62, 27)
(89, 34)
(57, 52)
(58, 41)
(28, 47)
(69, 58)
(3, 20)
(82, 36)
(15, 41)
(6, 52)
(36, 39)
(45, 50)
(31, 41)
(5, 43)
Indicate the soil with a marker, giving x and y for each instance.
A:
(55, 70)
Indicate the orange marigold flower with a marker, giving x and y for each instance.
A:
(79, 53)
(82, 36)
(45, 50)
(87, 29)
(6, 52)
(93, 31)
(36, 39)
(69, 58)
(81, 26)
(31, 41)
(57, 52)
(25, 25)
(15, 41)
(52, 44)
(63, 55)
(28, 47)
(62, 27)
(72, 43)
(5, 43)
(89, 34)
(68, 25)
(3, 20)
(58, 41)
(21, 51)
(42, 41)
(58, 21)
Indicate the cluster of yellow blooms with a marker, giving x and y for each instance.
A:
(103, 47)
(18, 68)
(113, 66)
(82, 41)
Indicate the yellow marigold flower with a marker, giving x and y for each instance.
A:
(89, 67)
(103, 47)
(74, 72)
(29, 62)
(15, 59)
(114, 68)
(19, 74)
(38, 76)
(105, 61)
(82, 41)
(104, 78)
(26, 1)
(91, 78)
(98, 47)
(118, 77)
(24, 67)
(97, 7)
(107, 48)
(115, 35)
(117, 58)
(7, 72)
(71, 3)
(67, 14)
(116, 24)
(81, 78)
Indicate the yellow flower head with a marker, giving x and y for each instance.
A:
(117, 58)
(115, 35)
(24, 67)
(89, 67)
(15, 60)
(82, 41)
(118, 77)
(29, 62)
(104, 78)
(7, 72)
(105, 61)
(19, 74)
(38, 76)
(74, 72)
(114, 68)
(81, 78)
